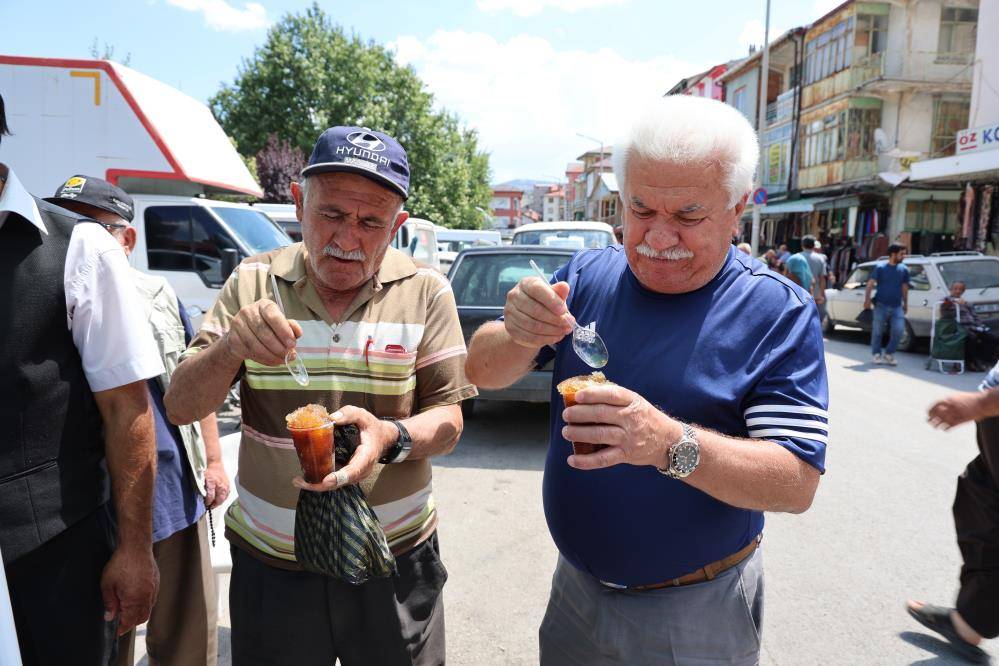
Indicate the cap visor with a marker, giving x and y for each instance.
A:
(329, 167)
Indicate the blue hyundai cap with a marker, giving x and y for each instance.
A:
(363, 151)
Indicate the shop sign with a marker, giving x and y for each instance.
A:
(978, 138)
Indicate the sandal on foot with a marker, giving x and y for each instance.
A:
(938, 619)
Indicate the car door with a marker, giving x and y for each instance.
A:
(847, 303)
(922, 299)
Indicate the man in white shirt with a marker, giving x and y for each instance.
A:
(75, 356)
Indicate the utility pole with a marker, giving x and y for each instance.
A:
(760, 123)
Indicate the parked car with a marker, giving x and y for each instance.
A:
(452, 241)
(930, 278)
(284, 216)
(572, 235)
(480, 278)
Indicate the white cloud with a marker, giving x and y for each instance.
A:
(823, 7)
(220, 15)
(528, 100)
(532, 7)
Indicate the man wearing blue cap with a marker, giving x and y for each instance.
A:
(384, 350)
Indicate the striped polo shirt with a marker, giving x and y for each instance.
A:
(398, 351)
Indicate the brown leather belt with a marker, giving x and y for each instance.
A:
(708, 571)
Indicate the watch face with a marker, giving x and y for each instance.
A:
(686, 455)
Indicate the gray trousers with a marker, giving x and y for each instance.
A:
(714, 622)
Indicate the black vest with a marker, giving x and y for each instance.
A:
(51, 438)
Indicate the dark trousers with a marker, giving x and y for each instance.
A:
(976, 517)
(981, 346)
(56, 594)
(302, 618)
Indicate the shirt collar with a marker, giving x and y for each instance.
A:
(16, 199)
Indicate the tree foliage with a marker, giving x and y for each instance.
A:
(310, 75)
(278, 164)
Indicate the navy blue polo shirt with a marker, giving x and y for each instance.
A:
(742, 355)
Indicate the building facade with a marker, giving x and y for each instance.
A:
(505, 206)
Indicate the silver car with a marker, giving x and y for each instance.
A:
(930, 278)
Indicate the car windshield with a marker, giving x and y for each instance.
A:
(254, 229)
(553, 237)
(483, 280)
(459, 245)
(976, 274)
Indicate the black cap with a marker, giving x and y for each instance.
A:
(97, 193)
(362, 151)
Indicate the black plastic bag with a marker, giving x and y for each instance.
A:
(337, 533)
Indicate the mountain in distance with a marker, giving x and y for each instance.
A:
(521, 184)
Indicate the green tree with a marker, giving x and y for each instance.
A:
(309, 75)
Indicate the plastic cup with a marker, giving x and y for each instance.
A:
(314, 447)
(568, 389)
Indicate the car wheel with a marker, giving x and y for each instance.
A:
(467, 407)
(908, 340)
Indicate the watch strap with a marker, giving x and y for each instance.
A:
(403, 445)
(688, 436)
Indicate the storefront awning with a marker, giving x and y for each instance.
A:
(806, 205)
(980, 166)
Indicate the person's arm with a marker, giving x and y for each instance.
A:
(776, 469)
(201, 382)
(820, 288)
(216, 479)
(229, 335)
(434, 432)
(959, 408)
(535, 315)
(905, 298)
(131, 578)
(867, 294)
(745, 473)
(118, 354)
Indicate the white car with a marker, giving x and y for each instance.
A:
(930, 278)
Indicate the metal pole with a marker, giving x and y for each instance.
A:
(760, 125)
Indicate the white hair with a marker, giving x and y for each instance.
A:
(682, 129)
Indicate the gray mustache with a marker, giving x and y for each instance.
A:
(672, 253)
(337, 253)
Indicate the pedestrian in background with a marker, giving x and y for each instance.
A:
(890, 303)
(817, 264)
(709, 424)
(800, 272)
(190, 477)
(73, 368)
(976, 520)
(982, 343)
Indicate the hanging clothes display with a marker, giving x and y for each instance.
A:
(984, 215)
(966, 236)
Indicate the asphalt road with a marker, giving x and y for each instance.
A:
(837, 577)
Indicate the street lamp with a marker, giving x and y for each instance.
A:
(600, 163)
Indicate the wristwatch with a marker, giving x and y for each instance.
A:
(400, 450)
(683, 456)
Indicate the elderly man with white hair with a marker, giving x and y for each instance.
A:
(717, 412)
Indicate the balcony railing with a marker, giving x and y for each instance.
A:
(781, 109)
(913, 66)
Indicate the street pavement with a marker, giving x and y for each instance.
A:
(837, 577)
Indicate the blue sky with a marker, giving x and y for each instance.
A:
(528, 74)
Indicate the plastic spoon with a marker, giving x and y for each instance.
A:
(295, 365)
(587, 344)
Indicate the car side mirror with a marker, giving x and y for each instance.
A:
(230, 259)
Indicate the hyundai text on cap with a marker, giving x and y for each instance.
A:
(363, 151)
